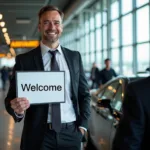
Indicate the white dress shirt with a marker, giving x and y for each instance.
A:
(67, 110)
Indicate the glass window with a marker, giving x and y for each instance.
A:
(117, 101)
(92, 23)
(110, 91)
(141, 2)
(99, 59)
(127, 30)
(115, 59)
(72, 35)
(87, 26)
(87, 43)
(80, 31)
(87, 59)
(78, 45)
(127, 55)
(98, 6)
(104, 17)
(114, 10)
(98, 19)
(83, 44)
(143, 24)
(105, 55)
(126, 6)
(98, 40)
(143, 57)
(115, 34)
(83, 59)
(100, 93)
(92, 56)
(92, 42)
(105, 37)
(104, 11)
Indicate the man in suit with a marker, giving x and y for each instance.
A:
(133, 132)
(38, 131)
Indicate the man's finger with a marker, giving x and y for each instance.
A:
(13, 107)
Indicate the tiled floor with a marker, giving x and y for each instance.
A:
(10, 132)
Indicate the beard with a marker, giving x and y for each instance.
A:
(51, 38)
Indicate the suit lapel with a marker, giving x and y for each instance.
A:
(38, 59)
(69, 61)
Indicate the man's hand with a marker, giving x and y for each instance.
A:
(19, 105)
(82, 130)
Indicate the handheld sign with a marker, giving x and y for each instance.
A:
(41, 87)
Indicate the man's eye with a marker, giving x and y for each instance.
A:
(57, 23)
(46, 22)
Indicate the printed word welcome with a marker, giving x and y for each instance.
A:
(29, 87)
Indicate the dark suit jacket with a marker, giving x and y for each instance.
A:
(36, 116)
(133, 132)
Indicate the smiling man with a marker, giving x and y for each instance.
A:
(59, 126)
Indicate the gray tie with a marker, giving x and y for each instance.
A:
(56, 117)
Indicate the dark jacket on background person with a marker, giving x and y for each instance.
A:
(35, 121)
(133, 132)
(4, 74)
(94, 77)
(4, 77)
(106, 75)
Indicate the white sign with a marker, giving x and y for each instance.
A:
(41, 87)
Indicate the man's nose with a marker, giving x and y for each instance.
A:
(51, 25)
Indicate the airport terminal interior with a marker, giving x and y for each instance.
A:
(118, 30)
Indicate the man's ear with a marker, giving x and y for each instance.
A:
(39, 27)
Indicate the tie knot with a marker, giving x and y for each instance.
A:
(53, 53)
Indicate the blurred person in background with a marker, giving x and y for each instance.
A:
(94, 76)
(107, 73)
(4, 77)
(10, 71)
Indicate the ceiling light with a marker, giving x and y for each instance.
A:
(1, 16)
(23, 21)
(12, 51)
(7, 39)
(8, 42)
(6, 35)
(4, 30)
(2, 24)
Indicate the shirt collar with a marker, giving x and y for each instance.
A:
(45, 48)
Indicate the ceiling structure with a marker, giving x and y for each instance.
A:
(21, 17)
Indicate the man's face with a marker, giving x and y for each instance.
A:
(107, 63)
(50, 26)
